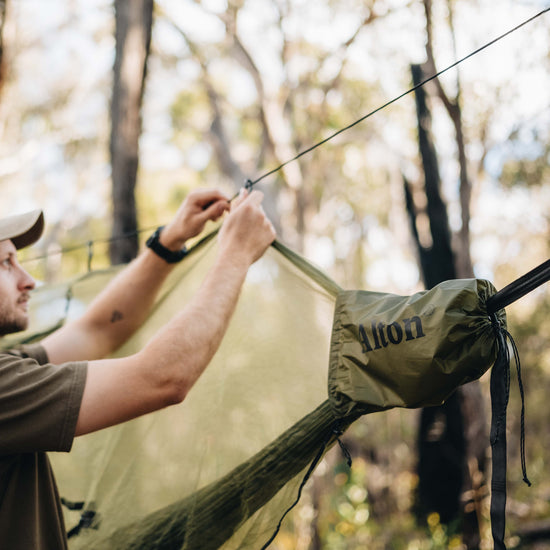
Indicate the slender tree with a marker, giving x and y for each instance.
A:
(133, 37)
(463, 262)
(449, 436)
(441, 441)
(3, 9)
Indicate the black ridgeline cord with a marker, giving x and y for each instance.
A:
(519, 288)
(250, 184)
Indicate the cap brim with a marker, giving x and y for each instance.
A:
(22, 229)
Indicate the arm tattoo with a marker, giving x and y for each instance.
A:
(116, 316)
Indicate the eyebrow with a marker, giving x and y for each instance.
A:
(8, 255)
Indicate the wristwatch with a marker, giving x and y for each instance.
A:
(169, 256)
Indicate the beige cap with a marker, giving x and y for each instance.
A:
(22, 229)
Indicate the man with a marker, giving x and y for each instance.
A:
(62, 388)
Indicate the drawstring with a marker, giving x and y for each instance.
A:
(508, 336)
(500, 393)
(336, 431)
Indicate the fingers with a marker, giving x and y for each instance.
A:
(254, 198)
(199, 206)
(247, 232)
(203, 205)
(210, 201)
(204, 197)
(243, 193)
(213, 210)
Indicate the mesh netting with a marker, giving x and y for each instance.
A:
(218, 470)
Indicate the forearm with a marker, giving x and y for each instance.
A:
(185, 346)
(126, 302)
(114, 315)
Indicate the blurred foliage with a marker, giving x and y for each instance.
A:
(527, 171)
(234, 89)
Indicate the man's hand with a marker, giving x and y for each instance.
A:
(191, 217)
(247, 232)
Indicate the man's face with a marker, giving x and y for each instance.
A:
(15, 287)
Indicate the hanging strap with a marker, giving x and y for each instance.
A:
(500, 391)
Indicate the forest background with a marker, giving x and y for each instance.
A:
(233, 89)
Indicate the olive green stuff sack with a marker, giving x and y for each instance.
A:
(409, 351)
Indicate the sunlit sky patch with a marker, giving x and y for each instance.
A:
(56, 37)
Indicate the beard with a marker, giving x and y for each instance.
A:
(12, 320)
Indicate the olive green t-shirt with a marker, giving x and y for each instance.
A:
(39, 406)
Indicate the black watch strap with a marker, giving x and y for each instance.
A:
(170, 256)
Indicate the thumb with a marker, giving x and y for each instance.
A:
(255, 197)
(243, 193)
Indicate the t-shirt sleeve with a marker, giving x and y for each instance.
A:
(39, 402)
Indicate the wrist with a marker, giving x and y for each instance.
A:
(172, 238)
(236, 259)
(170, 250)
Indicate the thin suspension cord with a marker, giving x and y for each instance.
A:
(250, 184)
(89, 245)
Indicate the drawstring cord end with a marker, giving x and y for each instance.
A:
(508, 337)
(337, 431)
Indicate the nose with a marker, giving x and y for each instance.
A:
(26, 282)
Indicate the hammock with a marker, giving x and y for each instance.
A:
(221, 469)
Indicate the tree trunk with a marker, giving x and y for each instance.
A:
(436, 257)
(133, 36)
(445, 445)
(3, 61)
(463, 261)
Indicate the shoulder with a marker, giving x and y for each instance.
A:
(33, 351)
(26, 369)
(39, 401)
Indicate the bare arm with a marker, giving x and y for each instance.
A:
(125, 303)
(164, 371)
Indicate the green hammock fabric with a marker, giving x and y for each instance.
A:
(219, 470)
(206, 519)
(410, 351)
(268, 376)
